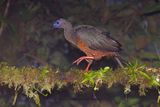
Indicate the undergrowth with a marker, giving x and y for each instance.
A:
(35, 81)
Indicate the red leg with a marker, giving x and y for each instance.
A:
(77, 60)
(81, 59)
(87, 58)
(89, 64)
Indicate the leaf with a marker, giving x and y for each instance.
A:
(145, 75)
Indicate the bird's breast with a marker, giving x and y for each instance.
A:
(97, 54)
(70, 37)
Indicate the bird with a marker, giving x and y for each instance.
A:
(94, 42)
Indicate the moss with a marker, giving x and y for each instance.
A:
(35, 81)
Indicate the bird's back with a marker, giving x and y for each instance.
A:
(96, 39)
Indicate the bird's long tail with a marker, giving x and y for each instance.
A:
(119, 62)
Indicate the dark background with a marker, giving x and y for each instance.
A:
(27, 38)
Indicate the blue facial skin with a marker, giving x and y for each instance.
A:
(57, 24)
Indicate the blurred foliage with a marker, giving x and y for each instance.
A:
(34, 81)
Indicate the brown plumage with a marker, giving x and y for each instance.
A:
(92, 41)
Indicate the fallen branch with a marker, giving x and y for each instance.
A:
(5, 15)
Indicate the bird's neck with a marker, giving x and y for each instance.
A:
(68, 33)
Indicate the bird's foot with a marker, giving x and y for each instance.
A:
(82, 58)
(89, 64)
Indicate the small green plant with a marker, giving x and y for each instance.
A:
(94, 78)
(136, 70)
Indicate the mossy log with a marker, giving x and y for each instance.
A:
(34, 81)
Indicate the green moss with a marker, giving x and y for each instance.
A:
(34, 81)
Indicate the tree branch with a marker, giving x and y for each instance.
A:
(5, 15)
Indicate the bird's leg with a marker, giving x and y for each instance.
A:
(86, 58)
(119, 62)
(89, 64)
(76, 61)
(82, 58)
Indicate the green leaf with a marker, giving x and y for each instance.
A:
(145, 75)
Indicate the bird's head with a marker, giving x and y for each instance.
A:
(60, 23)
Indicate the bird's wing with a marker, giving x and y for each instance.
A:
(97, 39)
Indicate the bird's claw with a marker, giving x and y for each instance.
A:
(87, 58)
(77, 62)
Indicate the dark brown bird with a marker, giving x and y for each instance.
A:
(92, 41)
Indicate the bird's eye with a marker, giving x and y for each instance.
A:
(57, 22)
